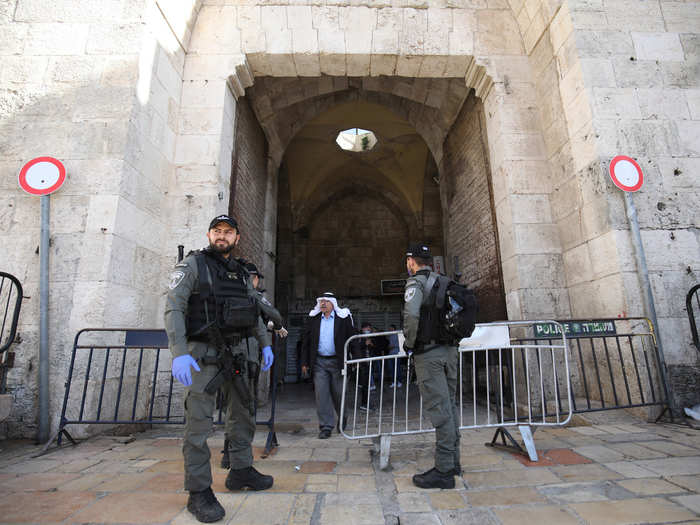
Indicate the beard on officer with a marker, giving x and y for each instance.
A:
(211, 316)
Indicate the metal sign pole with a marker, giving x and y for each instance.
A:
(647, 296)
(44, 321)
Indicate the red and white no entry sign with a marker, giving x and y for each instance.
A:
(626, 173)
(42, 175)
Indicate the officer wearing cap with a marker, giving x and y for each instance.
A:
(436, 363)
(211, 306)
(273, 321)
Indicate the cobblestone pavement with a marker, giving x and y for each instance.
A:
(621, 471)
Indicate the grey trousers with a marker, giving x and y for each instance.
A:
(436, 372)
(328, 387)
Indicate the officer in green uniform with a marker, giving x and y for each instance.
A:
(211, 306)
(273, 321)
(436, 362)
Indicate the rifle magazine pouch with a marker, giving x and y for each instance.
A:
(239, 313)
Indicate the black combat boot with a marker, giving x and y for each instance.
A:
(204, 506)
(434, 479)
(225, 461)
(457, 471)
(248, 477)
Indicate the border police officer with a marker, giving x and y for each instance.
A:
(436, 363)
(210, 311)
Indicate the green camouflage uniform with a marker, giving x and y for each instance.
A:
(437, 375)
(200, 406)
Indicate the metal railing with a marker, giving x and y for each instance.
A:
(511, 383)
(10, 306)
(693, 312)
(122, 376)
(615, 364)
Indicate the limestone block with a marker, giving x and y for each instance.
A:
(304, 41)
(577, 265)
(68, 213)
(682, 17)
(98, 101)
(689, 135)
(595, 20)
(600, 298)
(252, 40)
(385, 42)
(49, 39)
(545, 303)
(604, 255)
(457, 65)
(13, 39)
(632, 15)
(572, 85)
(597, 72)
(216, 31)
(523, 146)
(570, 231)
(351, 19)
(513, 305)
(681, 74)
(433, 66)
(663, 104)
(209, 67)
(530, 208)
(497, 34)
(534, 32)
(197, 121)
(65, 11)
(23, 70)
(383, 64)
(77, 69)
(299, 17)
(169, 77)
(604, 43)
(657, 46)
(414, 32)
(278, 42)
(439, 27)
(203, 94)
(196, 149)
(615, 103)
(523, 20)
(536, 238)
(326, 17)
(568, 56)
(506, 231)
(408, 66)
(113, 39)
(357, 64)
(119, 71)
(561, 27)
(584, 144)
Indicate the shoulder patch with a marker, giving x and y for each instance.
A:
(176, 278)
(410, 294)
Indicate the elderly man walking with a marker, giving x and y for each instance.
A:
(324, 339)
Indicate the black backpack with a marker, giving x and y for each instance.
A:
(456, 305)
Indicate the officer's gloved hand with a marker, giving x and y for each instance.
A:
(268, 358)
(181, 368)
(282, 332)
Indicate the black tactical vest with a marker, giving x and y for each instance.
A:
(429, 326)
(222, 300)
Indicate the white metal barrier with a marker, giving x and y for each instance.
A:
(501, 383)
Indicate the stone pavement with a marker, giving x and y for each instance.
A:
(628, 472)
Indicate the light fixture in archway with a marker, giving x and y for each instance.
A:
(356, 139)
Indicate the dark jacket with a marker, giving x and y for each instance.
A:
(342, 330)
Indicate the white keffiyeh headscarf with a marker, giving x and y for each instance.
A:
(328, 296)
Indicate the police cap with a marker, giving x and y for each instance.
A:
(253, 270)
(418, 250)
(223, 218)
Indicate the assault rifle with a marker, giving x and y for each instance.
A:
(233, 367)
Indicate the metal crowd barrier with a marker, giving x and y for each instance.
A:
(502, 382)
(122, 376)
(10, 305)
(693, 312)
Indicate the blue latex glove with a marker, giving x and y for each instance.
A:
(268, 358)
(181, 368)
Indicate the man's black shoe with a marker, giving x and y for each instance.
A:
(325, 433)
(204, 506)
(225, 461)
(248, 477)
(434, 479)
(457, 471)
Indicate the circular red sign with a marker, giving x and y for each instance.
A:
(42, 175)
(626, 173)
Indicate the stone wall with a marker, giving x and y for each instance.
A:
(468, 216)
